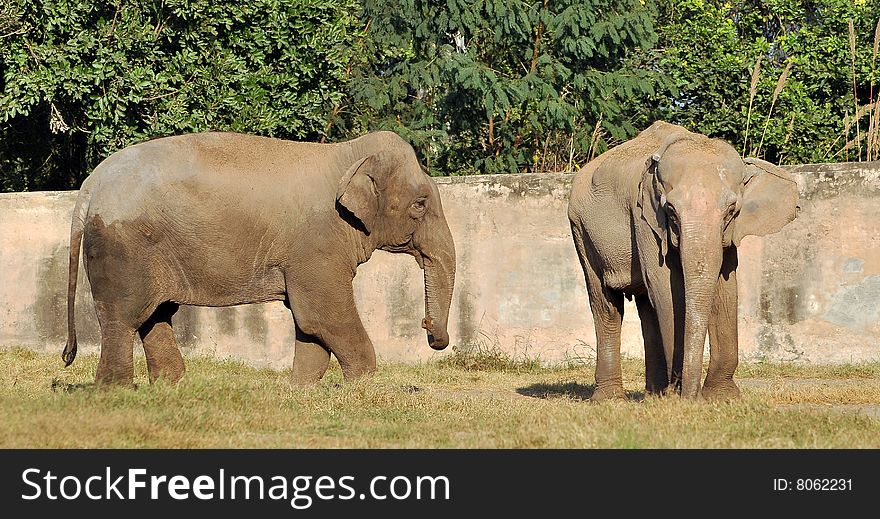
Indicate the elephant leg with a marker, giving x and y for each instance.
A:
(324, 308)
(116, 364)
(160, 346)
(607, 308)
(666, 291)
(119, 322)
(310, 360)
(656, 375)
(723, 334)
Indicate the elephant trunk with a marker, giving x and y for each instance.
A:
(438, 253)
(701, 256)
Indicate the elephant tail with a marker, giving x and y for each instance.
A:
(77, 225)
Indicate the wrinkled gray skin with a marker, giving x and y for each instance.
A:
(659, 218)
(220, 219)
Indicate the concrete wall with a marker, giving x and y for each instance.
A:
(809, 293)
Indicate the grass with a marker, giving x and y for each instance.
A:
(463, 401)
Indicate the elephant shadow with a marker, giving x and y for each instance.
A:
(63, 387)
(572, 390)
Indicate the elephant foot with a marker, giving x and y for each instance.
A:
(350, 374)
(657, 388)
(608, 393)
(310, 361)
(168, 368)
(107, 382)
(306, 373)
(107, 378)
(170, 375)
(723, 391)
(304, 380)
(657, 392)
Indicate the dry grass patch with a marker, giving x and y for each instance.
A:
(456, 403)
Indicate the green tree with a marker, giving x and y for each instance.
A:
(80, 79)
(478, 86)
(709, 49)
(491, 86)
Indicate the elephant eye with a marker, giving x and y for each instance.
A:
(417, 208)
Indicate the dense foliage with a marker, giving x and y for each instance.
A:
(709, 48)
(83, 78)
(499, 86)
(478, 86)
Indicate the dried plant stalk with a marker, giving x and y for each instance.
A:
(873, 153)
(594, 140)
(875, 132)
(876, 41)
(780, 84)
(753, 89)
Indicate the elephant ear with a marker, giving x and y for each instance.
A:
(357, 192)
(769, 200)
(652, 199)
(651, 204)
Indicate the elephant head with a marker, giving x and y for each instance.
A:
(699, 197)
(397, 205)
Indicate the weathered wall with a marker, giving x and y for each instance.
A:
(810, 292)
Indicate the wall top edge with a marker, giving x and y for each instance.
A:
(815, 178)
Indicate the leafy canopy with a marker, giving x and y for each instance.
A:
(497, 85)
(477, 86)
(708, 48)
(84, 78)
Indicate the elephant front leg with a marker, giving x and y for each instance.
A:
(310, 360)
(607, 308)
(324, 309)
(656, 375)
(723, 335)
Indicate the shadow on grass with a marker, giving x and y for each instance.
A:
(58, 386)
(571, 390)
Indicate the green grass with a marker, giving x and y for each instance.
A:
(476, 401)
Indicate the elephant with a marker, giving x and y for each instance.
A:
(219, 219)
(659, 219)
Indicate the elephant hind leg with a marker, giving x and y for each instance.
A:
(160, 347)
(119, 323)
(607, 308)
(310, 360)
(116, 365)
(656, 374)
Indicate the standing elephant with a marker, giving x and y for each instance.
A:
(660, 218)
(220, 219)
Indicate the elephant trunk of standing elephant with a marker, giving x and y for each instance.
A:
(438, 253)
(701, 255)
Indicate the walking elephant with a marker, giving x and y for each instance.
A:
(220, 219)
(659, 218)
